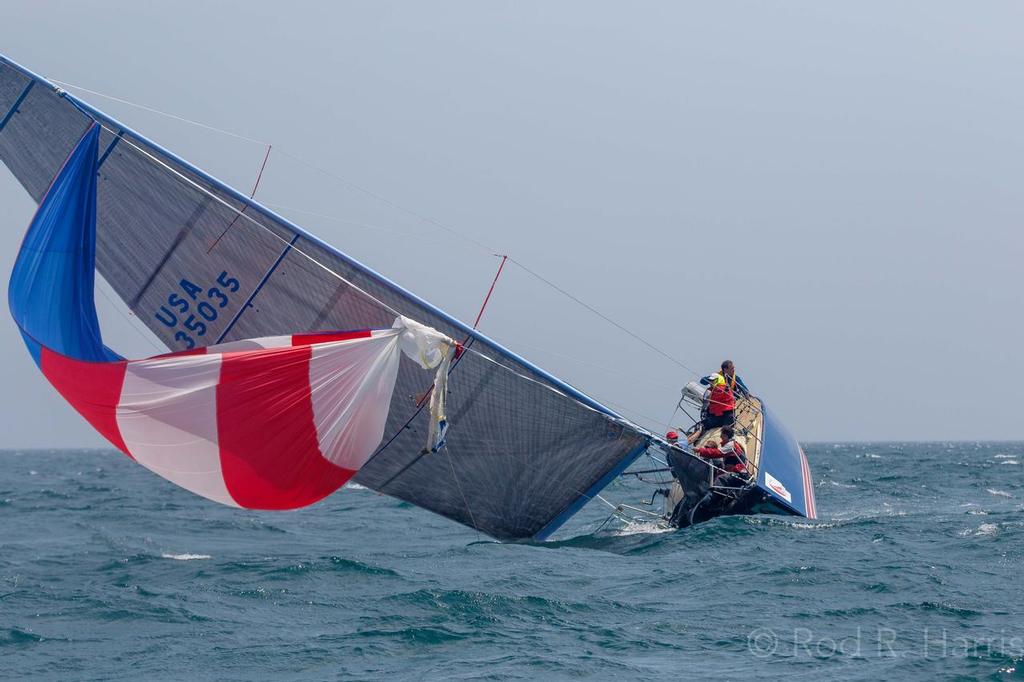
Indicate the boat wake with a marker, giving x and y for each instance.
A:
(635, 528)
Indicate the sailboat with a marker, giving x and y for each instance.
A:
(293, 369)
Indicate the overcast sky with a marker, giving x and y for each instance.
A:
(827, 193)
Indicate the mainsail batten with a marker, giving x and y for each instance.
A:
(524, 450)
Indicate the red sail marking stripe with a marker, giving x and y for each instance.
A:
(92, 388)
(269, 452)
(809, 501)
(803, 474)
(810, 487)
(329, 337)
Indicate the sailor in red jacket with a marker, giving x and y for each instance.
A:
(733, 456)
(721, 409)
(721, 402)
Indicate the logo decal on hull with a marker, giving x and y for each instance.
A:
(775, 486)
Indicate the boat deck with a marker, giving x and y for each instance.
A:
(749, 431)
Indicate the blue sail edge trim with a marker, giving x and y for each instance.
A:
(93, 112)
(599, 485)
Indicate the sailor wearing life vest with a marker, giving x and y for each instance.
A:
(733, 456)
(721, 402)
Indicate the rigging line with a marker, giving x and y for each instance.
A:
(296, 158)
(599, 528)
(195, 185)
(606, 318)
(371, 226)
(203, 190)
(388, 202)
(646, 471)
(490, 291)
(674, 412)
(655, 459)
(458, 485)
(174, 172)
(252, 195)
(642, 511)
(161, 113)
(466, 343)
(184, 178)
(662, 464)
(601, 368)
(679, 405)
(420, 404)
(396, 206)
(130, 317)
(622, 408)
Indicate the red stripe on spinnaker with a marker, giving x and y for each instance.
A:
(269, 453)
(92, 388)
(329, 337)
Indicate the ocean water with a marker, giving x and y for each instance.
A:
(914, 571)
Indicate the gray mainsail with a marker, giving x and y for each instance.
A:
(524, 451)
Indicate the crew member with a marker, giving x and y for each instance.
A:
(736, 384)
(734, 459)
(721, 404)
(728, 373)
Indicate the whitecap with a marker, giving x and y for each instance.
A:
(355, 486)
(782, 521)
(641, 527)
(998, 493)
(1009, 461)
(185, 557)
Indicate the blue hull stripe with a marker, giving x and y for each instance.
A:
(600, 485)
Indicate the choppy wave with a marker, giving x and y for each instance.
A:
(107, 571)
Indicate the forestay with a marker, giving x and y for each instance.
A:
(524, 450)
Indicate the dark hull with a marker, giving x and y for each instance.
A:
(751, 501)
(781, 483)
